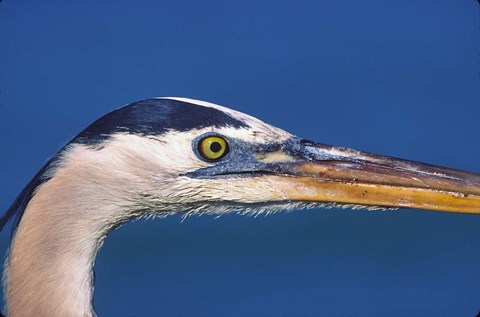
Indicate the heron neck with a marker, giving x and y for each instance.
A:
(49, 271)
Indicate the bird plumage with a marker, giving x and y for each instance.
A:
(147, 118)
(146, 159)
(124, 165)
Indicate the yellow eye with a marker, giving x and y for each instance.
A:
(213, 148)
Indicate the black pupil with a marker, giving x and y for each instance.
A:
(215, 147)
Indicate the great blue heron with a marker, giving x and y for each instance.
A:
(162, 156)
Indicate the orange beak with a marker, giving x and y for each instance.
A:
(321, 173)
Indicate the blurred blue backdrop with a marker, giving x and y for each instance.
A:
(396, 77)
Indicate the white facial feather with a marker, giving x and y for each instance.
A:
(144, 173)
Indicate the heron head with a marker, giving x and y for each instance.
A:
(168, 155)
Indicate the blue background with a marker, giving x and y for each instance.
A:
(394, 77)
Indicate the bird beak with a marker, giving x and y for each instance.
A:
(311, 172)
